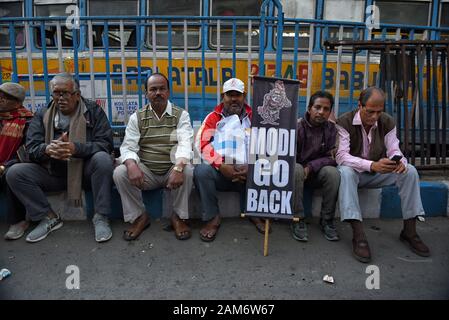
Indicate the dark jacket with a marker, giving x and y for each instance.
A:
(98, 136)
(315, 144)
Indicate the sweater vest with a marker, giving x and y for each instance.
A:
(158, 139)
(377, 150)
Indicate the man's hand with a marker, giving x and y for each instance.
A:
(175, 180)
(227, 170)
(400, 168)
(135, 175)
(240, 173)
(306, 172)
(384, 165)
(61, 148)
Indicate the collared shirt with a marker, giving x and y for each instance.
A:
(184, 133)
(361, 164)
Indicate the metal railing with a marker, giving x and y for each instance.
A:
(414, 76)
(200, 53)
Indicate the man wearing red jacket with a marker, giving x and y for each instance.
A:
(219, 171)
(14, 122)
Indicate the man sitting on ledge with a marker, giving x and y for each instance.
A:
(70, 144)
(156, 153)
(369, 157)
(217, 174)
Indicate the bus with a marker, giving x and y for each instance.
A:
(111, 46)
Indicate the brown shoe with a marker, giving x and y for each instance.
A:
(361, 251)
(415, 243)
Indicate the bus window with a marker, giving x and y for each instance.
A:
(343, 10)
(113, 8)
(174, 8)
(404, 12)
(416, 12)
(232, 8)
(53, 8)
(296, 10)
(12, 8)
(444, 18)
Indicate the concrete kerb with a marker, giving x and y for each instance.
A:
(374, 203)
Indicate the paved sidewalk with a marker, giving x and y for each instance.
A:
(158, 266)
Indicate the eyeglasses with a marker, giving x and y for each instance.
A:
(64, 94)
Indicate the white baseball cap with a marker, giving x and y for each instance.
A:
(234, 84)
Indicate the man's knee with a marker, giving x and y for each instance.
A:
(346, 172)
(203, 171)
(102, 161)
(412, 172)
(330, 175)
(120, 174)
(15, 173)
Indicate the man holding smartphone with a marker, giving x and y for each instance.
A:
(369, 156)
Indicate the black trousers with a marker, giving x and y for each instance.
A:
(15, 211)
(30, 181)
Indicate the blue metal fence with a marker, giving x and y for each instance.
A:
(301, 43)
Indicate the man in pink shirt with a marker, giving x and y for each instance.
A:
(367, 143)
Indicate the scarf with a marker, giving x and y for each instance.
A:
(11, 135)
(77, 133)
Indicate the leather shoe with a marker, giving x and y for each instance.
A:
(416, 245)
(361, 251)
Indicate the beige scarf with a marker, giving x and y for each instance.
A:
(77, 133)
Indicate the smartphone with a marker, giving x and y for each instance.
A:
(396, 158)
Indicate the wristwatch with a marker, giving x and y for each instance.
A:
(178, 168)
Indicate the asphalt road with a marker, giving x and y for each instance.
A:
(157, 266)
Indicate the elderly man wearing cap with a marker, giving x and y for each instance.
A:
(156, 153)
(70, 146)
(220, 171)
(14, 121)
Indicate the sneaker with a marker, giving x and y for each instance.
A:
(44, 227)
(17, 230)
(103, 231)
(330, 231)
(299, 230)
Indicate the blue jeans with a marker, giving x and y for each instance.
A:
(407, 183)
(209, 181)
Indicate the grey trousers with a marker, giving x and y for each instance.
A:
(328, 178)
(209, 181)
(30, 181)
(131, 196)
(407, 183)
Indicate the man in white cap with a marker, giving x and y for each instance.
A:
(220, 171)
(14, 121)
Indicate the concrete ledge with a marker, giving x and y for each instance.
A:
(434, 197)
(374, 203)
